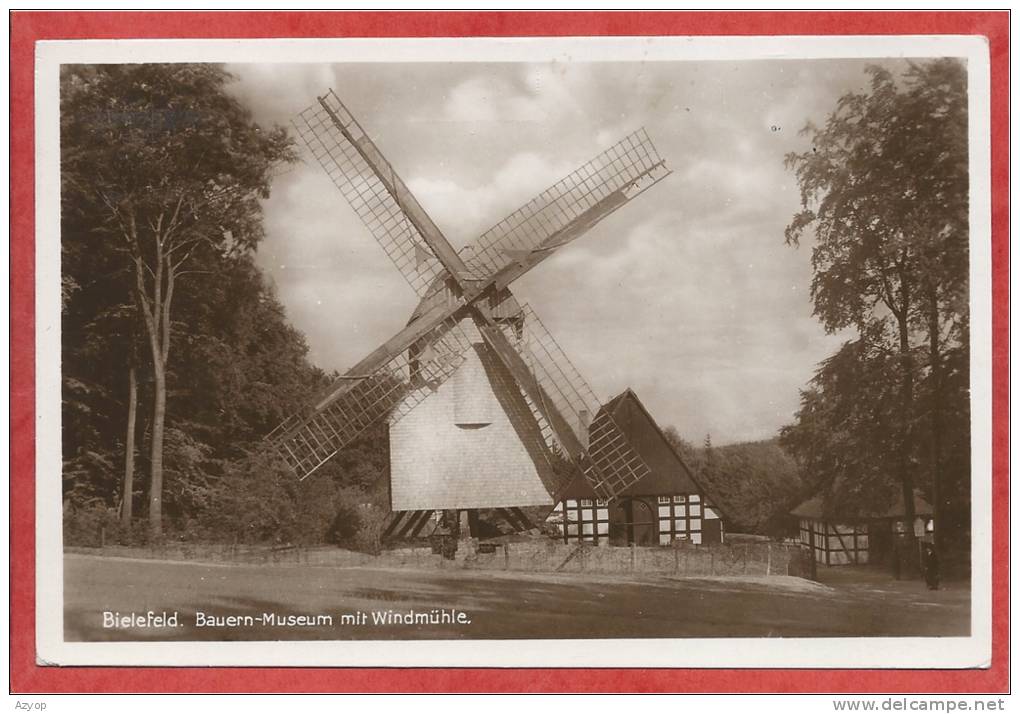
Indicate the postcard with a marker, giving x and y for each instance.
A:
(514, 352)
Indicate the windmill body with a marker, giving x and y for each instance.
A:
(484, 407)
(473, 444)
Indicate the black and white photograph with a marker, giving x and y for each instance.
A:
(638, 349)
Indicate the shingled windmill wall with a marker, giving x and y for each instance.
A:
(471, 444)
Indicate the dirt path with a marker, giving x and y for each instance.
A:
(497, 605)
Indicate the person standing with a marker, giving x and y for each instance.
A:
(931, 567)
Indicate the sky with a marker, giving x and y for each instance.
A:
(687, 294)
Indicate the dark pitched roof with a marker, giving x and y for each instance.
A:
(814, 508)
(669, 472)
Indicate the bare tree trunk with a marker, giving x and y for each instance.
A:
(156, 311)
(905, 474)
(129, 450)
(156, 450)
(935, 356)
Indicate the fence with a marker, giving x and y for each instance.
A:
(755, 559)
(736, 559)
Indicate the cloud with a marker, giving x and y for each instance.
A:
(481, 100)
(470, 209)
(277, 92)
(687, 294)
(338, 286)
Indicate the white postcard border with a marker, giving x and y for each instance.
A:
(907, 652)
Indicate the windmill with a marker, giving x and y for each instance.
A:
(468, 317)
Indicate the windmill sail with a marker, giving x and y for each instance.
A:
(307, 441)
(608, 461)
(375, 192)
(570, 206)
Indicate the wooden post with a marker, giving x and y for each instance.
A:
(676, 559)
(474, 530)
(768, 562)
(633, 556)
(506, 556)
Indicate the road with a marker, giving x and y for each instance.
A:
(499, 605)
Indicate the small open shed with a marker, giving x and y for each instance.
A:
(846, 537)
(667, 505)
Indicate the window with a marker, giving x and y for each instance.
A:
(584, 523)
(601, 502)
(678, 520)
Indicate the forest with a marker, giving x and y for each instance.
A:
(178, 357)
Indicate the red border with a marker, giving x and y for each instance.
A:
(29, 27)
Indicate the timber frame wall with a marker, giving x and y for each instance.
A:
(678, 517)
(835, 544)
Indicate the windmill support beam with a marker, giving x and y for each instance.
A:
(522, 518)
(509, 517)
(413, 524)
(394, 522)
(422, 520)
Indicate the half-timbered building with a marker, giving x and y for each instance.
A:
(851, 537)
(665, 506)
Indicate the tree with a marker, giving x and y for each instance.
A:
(169, 168)
(844, 433)
(884, 196)
(755, 483)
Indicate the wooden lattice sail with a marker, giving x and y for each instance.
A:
(360, 400)
(606, 458)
